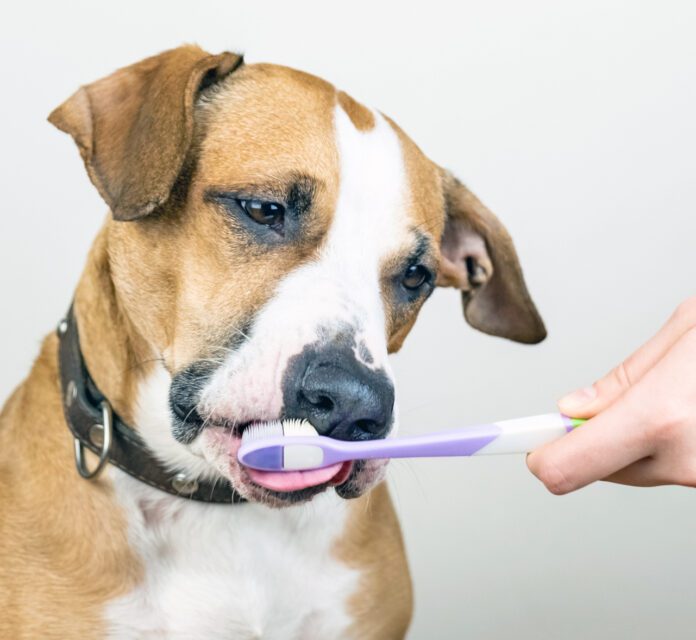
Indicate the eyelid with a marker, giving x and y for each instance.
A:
(246, 193)
(241, 195)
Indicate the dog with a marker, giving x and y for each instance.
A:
(269, 242)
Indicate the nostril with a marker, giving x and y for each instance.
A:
(319, 401)
(325, 403)
(368, 426)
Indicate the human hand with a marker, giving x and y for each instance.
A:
(642, 430)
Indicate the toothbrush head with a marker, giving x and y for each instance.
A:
(265, 446)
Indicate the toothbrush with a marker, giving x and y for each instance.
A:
(292, 445)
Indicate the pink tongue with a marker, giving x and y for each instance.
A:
(293, 480)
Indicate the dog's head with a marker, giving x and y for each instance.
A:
(271, 241)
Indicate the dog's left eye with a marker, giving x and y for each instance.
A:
(270, 214)
(415, 276)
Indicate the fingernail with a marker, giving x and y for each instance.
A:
(578, 399)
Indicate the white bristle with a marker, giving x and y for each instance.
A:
(259, 430)
(277, 428)
(298, 427)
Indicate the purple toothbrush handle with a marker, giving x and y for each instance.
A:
(463, 442)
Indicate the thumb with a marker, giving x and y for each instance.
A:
(589, 401)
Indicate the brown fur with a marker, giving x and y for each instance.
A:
(494, 296)
(372, 543)
(362, 118)
(170, 287)
(63, 548)
(134, 168)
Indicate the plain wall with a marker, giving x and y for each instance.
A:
(573, 121)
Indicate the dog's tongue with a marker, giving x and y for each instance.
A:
(294, 480)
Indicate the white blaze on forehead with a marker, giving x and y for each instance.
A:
(339, 289)
(369, 224)
(370, 219)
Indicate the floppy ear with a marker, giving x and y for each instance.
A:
(134, 127)
(478, 258)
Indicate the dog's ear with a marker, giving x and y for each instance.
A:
(134, 127)
(478, 258)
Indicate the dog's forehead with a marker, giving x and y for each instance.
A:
(269, 120)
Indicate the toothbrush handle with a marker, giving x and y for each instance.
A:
(522, 435)
(507, 436)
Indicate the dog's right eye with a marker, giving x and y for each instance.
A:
(270, 214)
(415, 277)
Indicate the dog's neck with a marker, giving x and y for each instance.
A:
(115, 355)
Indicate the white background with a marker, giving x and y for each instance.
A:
(574, 121)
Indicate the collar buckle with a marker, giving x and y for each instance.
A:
(100, 435)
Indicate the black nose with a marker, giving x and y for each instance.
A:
(340, 396)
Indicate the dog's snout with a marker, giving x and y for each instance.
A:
(341, 397)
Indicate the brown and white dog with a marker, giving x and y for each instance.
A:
(270, 241)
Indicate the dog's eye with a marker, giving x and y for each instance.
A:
(270, 214)
(415, 276)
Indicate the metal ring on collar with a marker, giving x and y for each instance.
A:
(107, 430)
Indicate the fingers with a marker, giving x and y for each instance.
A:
(642, 473)
(656, 471)
(587, 402)
(605, 444)
(653, 472)
(646, 437)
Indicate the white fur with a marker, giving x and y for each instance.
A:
(154, 425)
(238, 571)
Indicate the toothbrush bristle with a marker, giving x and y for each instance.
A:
(298, 427)
(260, 430)
(278, 428)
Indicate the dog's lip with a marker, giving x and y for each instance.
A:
(235, 429)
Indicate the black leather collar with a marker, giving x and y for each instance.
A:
(87, 413)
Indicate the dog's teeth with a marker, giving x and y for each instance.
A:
(299, 428)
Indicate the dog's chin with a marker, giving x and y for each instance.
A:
(349, 479)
